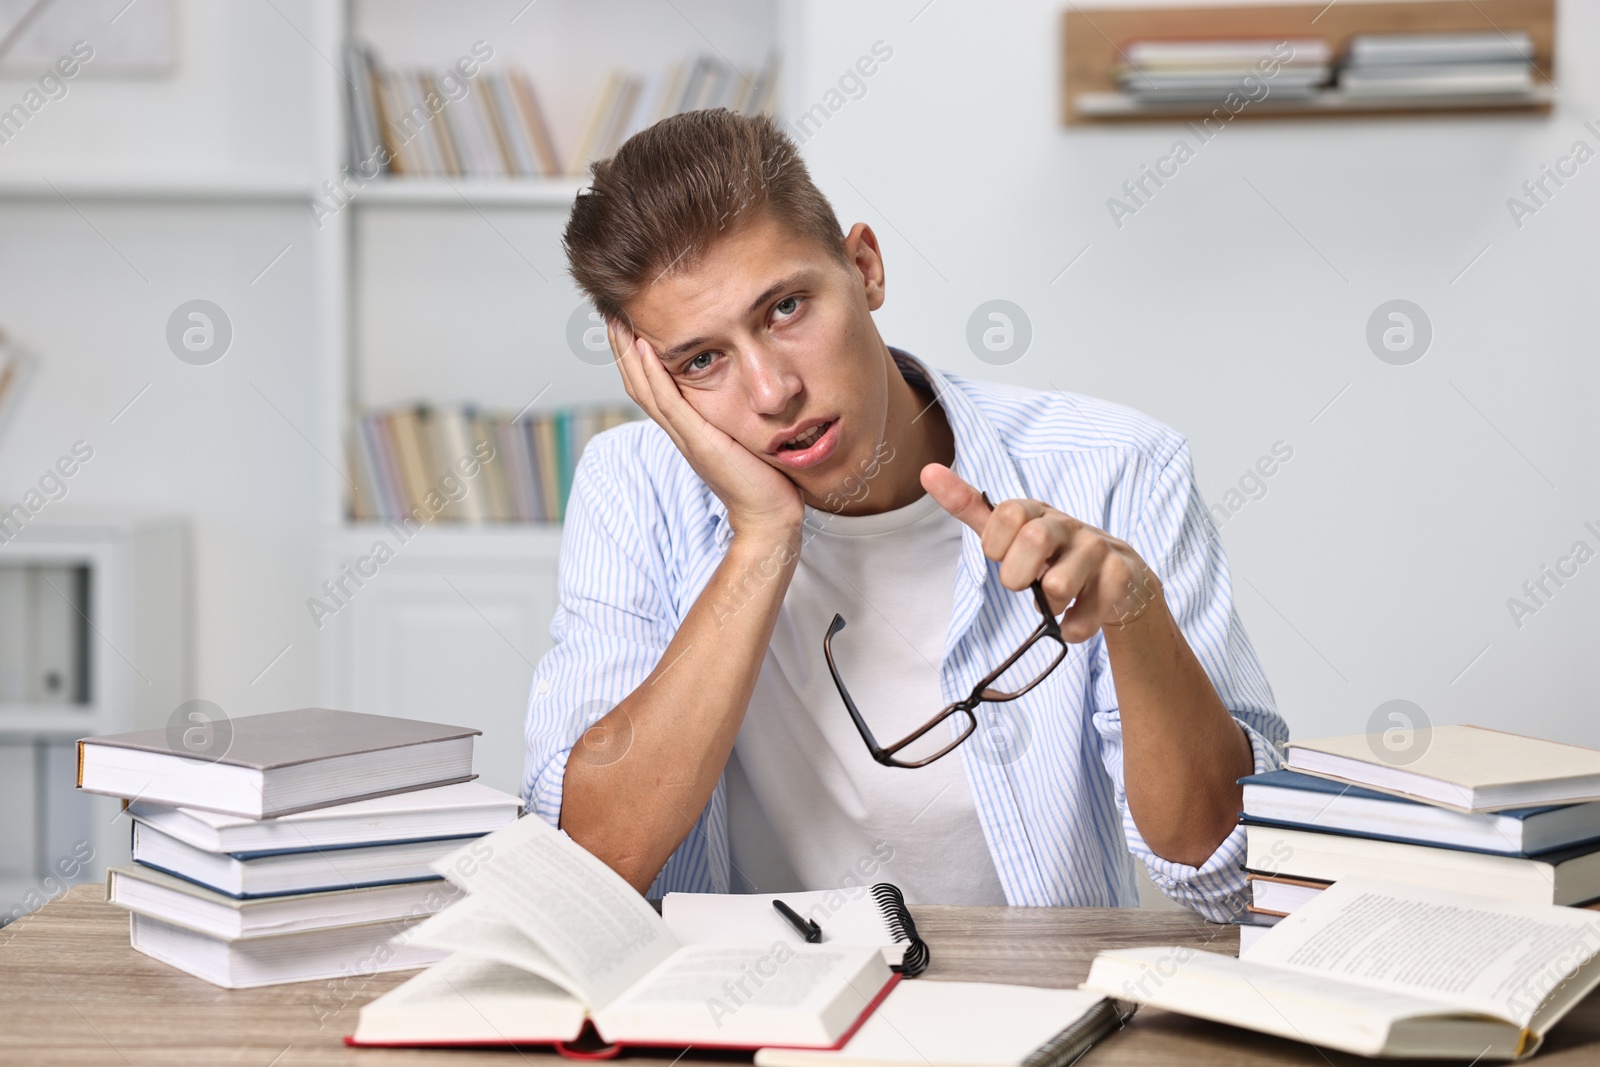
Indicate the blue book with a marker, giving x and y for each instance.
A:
(280, 873)
(1301, 801)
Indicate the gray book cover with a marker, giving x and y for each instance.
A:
(283, 738)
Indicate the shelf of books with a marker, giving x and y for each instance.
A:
(457, 464)
(479, 133)
(414, 129)
(1214, 64)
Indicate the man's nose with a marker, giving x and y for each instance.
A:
(772, 382)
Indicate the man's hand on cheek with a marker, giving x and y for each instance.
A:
(761, 500)
(1101, 576)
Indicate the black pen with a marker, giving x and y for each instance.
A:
(808, 930)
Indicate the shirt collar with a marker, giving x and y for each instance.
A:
(981, 457)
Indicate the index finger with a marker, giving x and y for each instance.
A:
(956, 496)
(620, 336)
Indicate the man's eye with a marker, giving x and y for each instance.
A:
(691, 364)
(792, 301)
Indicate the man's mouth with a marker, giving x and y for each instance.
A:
(810, 448)
(805, 440)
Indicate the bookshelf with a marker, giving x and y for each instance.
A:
(1092, 40)
(462, 612)
(516, 301)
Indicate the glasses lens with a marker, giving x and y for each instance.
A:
(938, 739)
(1038, 660)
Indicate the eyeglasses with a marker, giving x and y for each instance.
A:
(1018, 677)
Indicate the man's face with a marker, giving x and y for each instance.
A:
(769, 333)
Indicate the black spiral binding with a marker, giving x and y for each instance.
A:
(902, 928)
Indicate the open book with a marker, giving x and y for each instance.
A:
(549, 939)
(1383, 969)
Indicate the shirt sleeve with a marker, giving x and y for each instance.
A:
(1174, 533)
(613, 622)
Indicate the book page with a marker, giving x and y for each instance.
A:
(601, 933)
(1495, 957)
(472, 926)
(464, 998)
(749, 994)
(698, 918)
(1299, 1005)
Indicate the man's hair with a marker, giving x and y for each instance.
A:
(673, 190)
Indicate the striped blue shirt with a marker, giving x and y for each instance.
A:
(643, 535)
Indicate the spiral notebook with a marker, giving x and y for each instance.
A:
(859, 915)
(969, 1024)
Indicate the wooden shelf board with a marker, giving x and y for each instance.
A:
(1120, 107)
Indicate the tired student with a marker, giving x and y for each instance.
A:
(688, 727)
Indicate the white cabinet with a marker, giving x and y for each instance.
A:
(448, 628)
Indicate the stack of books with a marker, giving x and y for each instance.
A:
(438, 123)
(1511, 817)
(1437, 65)
(290, 846)
(458, 464)
(1198, 71)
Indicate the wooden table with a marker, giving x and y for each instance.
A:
(73, 993)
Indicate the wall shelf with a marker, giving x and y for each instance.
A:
(464, 192)
(1093, 41)
(183, 188)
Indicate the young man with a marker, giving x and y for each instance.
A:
(687, 727)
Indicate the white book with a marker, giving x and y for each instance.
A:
(1312, 803)
(1249, 935)
(181, 902)
(969, 1024)
(513, 130)
(453, 433)
(864, 915)
(315, 955)
(1280, 896)
(1468, 768)
(480, 148)
(1566, 876)
(1441, 79)
(583, 947)
(1487, 47)
(1239, 53)
(1382, 969)
(458, 810)
(276, 763)
(290, 872)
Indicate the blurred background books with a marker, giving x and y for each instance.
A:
(415, 461)
(492, 124)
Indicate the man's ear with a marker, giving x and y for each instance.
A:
(861, 247)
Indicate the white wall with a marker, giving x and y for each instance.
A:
(88, 281)
(1379, 563)
(1377, 566)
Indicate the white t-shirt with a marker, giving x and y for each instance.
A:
(808, 807)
